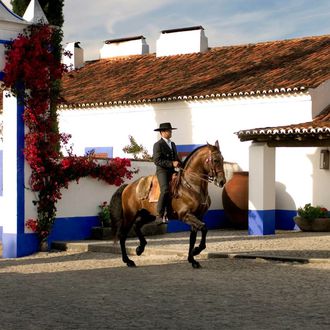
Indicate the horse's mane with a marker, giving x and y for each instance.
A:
(187, 159)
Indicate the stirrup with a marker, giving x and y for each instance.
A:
(161, 220)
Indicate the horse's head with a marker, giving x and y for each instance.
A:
(214, 164)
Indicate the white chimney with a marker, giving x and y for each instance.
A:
(76, 60)
(182, 41)
(124, 47)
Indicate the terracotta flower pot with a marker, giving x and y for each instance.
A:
(318, 224)
(235, 200)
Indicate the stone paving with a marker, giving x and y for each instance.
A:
(94, 290)
(295, 245)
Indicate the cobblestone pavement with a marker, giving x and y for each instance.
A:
(94, 290)
(287, 244)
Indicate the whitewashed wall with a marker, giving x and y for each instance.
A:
(82, 199)
(204, 121)
(1, 197)
(198, 122)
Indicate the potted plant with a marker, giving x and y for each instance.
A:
(312, 218)
(104, 214)
(104, 231)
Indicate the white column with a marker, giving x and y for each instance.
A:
(15, 242)
(261, 189)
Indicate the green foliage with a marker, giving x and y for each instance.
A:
(104, 214)
(19, 6)
(53, 10)
(310, 212)
(137, 150)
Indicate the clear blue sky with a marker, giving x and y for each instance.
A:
(226, 22)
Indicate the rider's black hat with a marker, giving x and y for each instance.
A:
(164, 127)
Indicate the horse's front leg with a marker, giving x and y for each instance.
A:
(143, 242)
(196, 225)
(202, 245)
(192, 241)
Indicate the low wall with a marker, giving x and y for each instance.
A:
(1, 191)
(78, 208)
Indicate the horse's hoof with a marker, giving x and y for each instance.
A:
(198, 249)
(196, 265)
(139, 250)
(130, 263)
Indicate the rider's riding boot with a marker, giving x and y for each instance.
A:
(161, 219)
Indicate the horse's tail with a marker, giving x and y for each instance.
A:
(116, 211)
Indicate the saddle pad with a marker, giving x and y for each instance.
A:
(154, 191)
(143, 187)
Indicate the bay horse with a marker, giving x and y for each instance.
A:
(189, 201)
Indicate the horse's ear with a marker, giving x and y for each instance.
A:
(217, 144)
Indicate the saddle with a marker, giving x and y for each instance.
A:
(148, 187)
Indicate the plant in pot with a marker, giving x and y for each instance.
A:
(104, 231)
(312, 218)
(104, 214)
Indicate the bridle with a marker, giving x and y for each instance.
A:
(210, 176)
(213, 169)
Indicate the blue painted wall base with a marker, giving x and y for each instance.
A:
(261, 222)
(80, 228)
(214, 219)
(15, 246)
(73, 229)
(284, 219)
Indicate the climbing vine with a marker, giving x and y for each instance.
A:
(32, 72)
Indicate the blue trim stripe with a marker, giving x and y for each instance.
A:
(19, 245)
(14, 244)
(9, 245)
(75, 228)
(187, 147)
(11, 13)
(284, 219)
(64, 229)
(5, 42)
(20, 169)
(80, 228)
(1, 172)
(262, 222)
(214, 219)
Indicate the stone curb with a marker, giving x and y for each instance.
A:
(213, 255)
(103, 247)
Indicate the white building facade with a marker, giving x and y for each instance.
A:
(208, 94)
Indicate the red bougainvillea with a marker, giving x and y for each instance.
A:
(33, 74)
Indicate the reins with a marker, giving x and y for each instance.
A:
(203, 177)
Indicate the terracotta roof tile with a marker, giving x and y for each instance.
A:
(268, 66)
(316, 130)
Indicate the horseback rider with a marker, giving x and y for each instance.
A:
(166, 159)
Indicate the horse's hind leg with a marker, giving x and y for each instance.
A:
(202, 245)
(122, 239)
(144, 218)
(192, 241)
